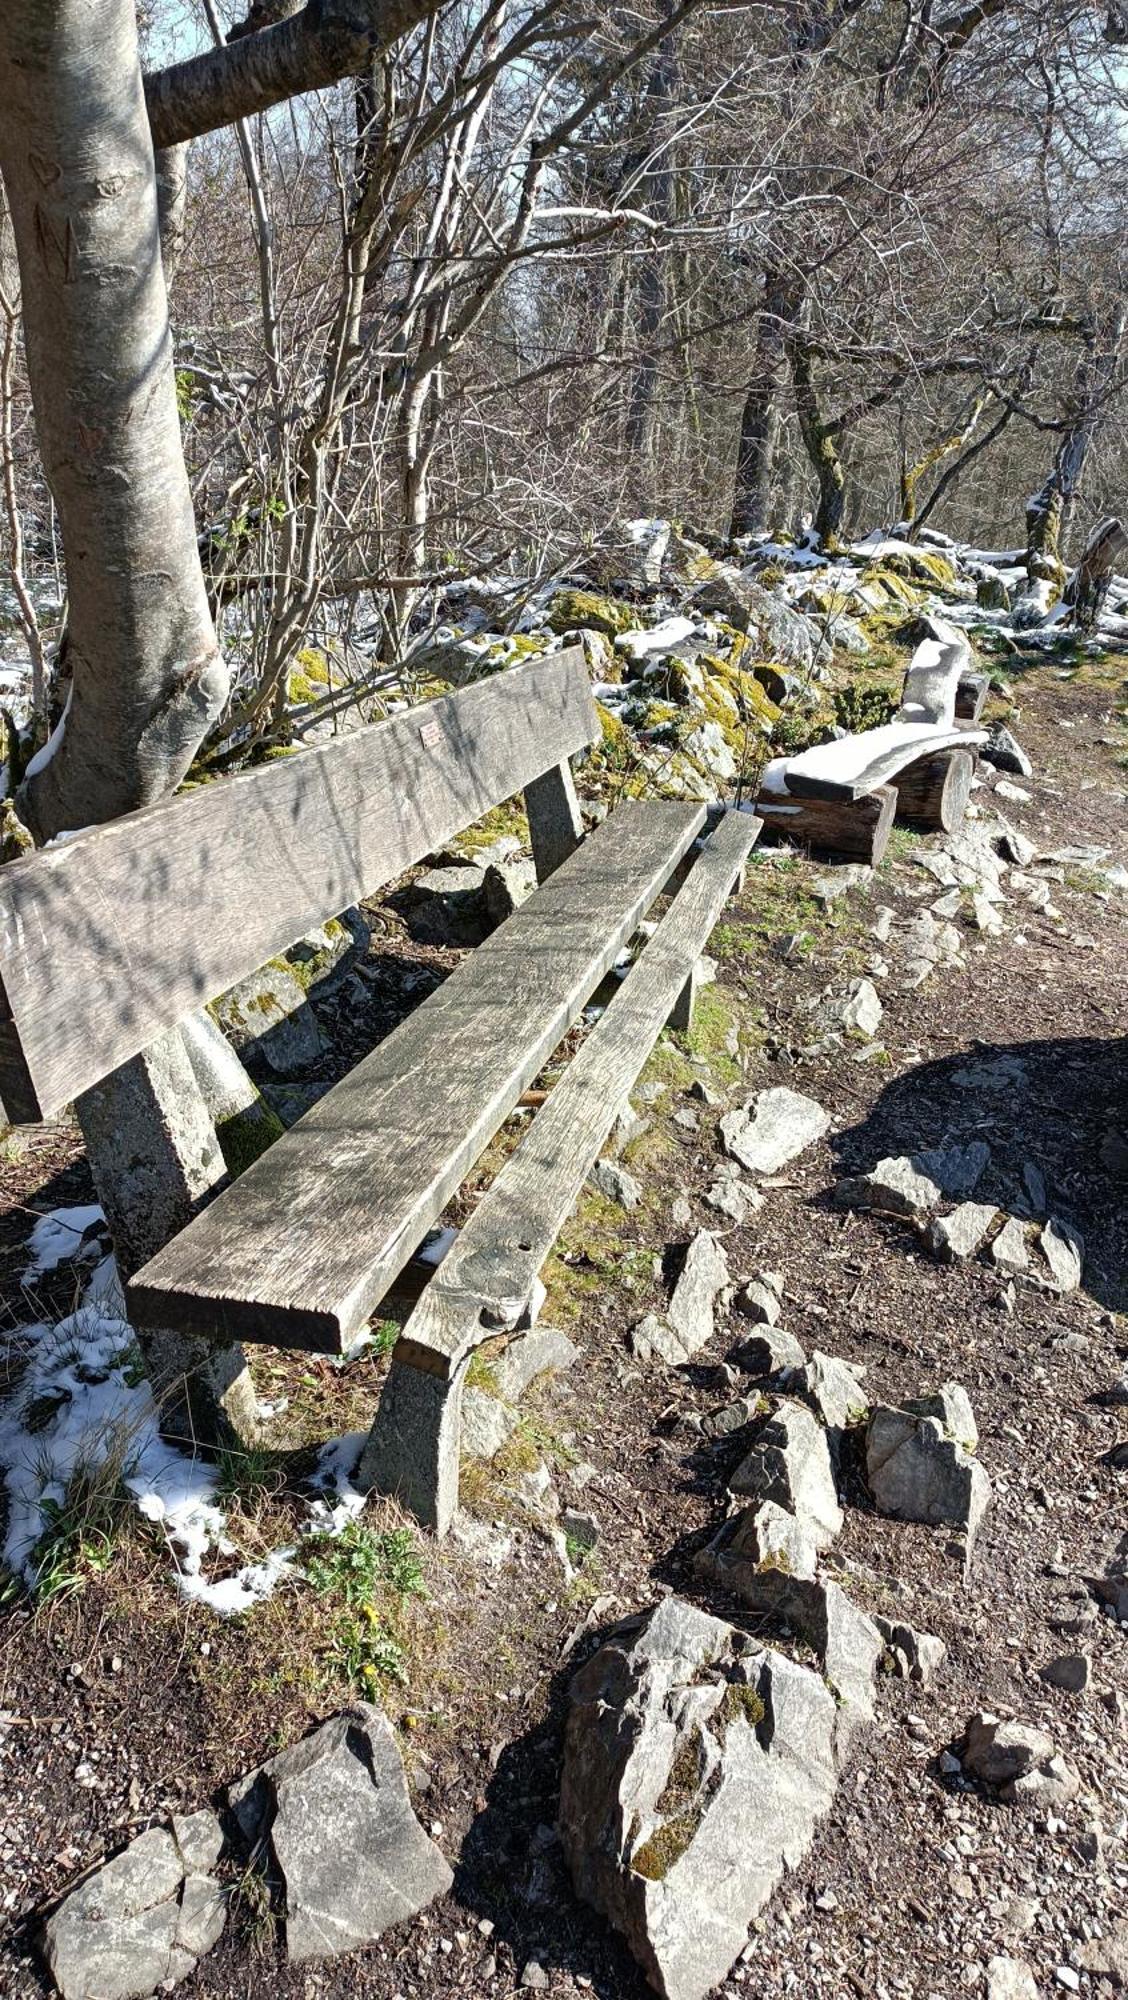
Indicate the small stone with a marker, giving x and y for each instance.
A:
(1003, 750)
(755, 1538)
(956, 1237)
(580, 1529)
(689, 1319)
(922, 1652)
(1009, 1252)
(1070, 1671)
(1063, 1250)
(917, 1473)
(1066, 1977)
(790, 1464)
(773, 1129)
(951, 1406)
(833, 1388)
(1015, 795)
(614, 1183)
(758, 1300)
(534, 1976)
(1107, 1957)
(730, 1417)
(1010, 1979)
(770, 1352)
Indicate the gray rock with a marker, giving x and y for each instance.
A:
(143, 1919)
(759, 1299)
(508, 883)
(917, 1656)
(614, 1183)
(542, 1350)
(913, 1184)
(696, 1769)
(487, 1424)
(760, 1537)
(779, 632)
(916, 1473)
(951, 1407)
(833, 1388)
(730, 1417)
(857, 1008)
(956, 1237)
(1018, 1761)
(790, 1464)
(1004, 751)
(1010, 1979)
(1070, 1671)
(773, 1129)
(580, 1528)
(1014, 846)
(352, 1855)
(267, 1013)
(734, 1199)
(1009, 1252)
(769, 1352)
(1063, 1249)
(847, 1642)
(688, 1323)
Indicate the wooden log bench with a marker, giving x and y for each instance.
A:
(112, 937)
(843, 797)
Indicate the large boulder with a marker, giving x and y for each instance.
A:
(142, 1920)
(777, 632)
(696, 1769)
(352, 1856)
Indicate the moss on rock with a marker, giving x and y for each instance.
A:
(573, 609)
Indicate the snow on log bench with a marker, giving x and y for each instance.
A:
(843, 796)
(116, 935)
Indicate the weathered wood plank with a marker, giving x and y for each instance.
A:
(483, 1284)
(119, 932)
(302, 1247)
(856, 765)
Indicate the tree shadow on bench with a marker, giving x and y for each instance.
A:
(1060, 1105)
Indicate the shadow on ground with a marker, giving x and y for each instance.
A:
(1060, 1106)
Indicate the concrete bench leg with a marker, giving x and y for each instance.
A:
(412, 1451)
(556, 827)
(681, 1013)
(935, 790)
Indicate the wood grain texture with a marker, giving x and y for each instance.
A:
(935, 792)
(859, 828)
(302, 1247)
(118, 933)
(971, 697)
(484, 1282)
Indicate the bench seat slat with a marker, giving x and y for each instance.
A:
(498, 1254)
(302, 1247)
(117, 933)
(856, 765)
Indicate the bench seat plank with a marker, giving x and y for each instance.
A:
(491, 1268)
(302, 1247)
(120, 931)
(854, 766)
(484, 1283)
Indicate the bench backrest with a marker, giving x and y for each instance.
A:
(120, 931)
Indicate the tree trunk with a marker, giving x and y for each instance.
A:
(760, 417)
(642, 408)
(147, 676)
(818, 441)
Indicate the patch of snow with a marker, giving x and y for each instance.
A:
(43, 757)
(657, 639)
(59, 1234)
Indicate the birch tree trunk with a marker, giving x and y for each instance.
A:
(77, 157)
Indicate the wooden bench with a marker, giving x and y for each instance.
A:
(114, 936)
(844, 796)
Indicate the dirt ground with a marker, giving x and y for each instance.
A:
(119, 1702)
